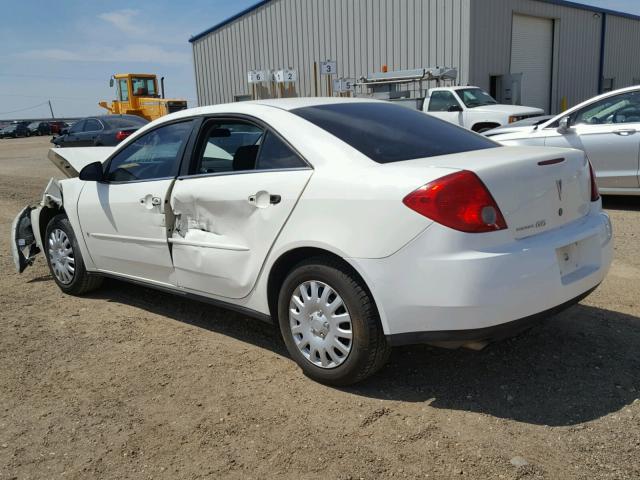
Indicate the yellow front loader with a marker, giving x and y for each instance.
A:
(138, 94)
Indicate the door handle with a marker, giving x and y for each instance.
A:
(149, 201)
(263, 199)
(625, 133)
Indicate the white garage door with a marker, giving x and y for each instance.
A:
(532, 55)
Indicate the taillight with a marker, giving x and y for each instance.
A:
(122, 134)
(595, 193)
(459, 201)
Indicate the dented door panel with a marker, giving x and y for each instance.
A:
(225, 226)
(124, 228)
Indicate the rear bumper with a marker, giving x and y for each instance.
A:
(450, 286)
(491, 334)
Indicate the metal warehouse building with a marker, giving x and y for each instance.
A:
(561, 52)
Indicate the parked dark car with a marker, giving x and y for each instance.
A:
(39, 128)
(106, 130)
(14, 130)
(57, 127)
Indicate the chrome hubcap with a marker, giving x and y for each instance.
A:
(61, 256)
(320, 324)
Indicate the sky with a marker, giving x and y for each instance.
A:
(66, 53)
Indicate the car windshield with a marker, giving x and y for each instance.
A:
(34, 124)
(386, 133)
(475, 97)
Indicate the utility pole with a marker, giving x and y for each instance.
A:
(51, 108)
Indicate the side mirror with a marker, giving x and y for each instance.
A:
(92, 172)
(564, 125)
(64, 131)
(111, 82)
(455, 108)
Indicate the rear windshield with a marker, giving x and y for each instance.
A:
(386, 133)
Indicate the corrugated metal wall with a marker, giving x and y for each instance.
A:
(361, 35)
(621, 60)
(577, 45)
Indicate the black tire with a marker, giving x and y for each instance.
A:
(81, 282)
(369, 348)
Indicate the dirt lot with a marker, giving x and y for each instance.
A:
(131, 383)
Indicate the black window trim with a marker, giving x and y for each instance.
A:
(181, 152)
(188, 167)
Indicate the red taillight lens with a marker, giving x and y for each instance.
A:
(460, 201)
(121, 135)
(595, 193)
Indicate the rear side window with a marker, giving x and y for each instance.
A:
(389, 133)
(92, 125)
(274, 154)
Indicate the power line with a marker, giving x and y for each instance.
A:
(57, 77)
(23, 109)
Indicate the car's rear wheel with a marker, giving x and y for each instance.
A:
(65, 259)
(330, 323)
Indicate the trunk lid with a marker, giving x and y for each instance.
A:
(537, 189)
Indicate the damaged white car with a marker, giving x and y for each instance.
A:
(353, 225)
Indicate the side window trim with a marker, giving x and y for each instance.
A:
(188, 169)
(181, 153)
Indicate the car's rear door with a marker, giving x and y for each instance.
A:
(243, 184)
(90, 131)
(123, 218)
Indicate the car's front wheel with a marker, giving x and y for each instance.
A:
(330, 323)
(65, 259)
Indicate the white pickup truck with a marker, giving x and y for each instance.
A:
(473, 108)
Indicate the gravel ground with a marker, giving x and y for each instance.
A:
(131, 383)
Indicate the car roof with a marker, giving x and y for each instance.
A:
(301, 102)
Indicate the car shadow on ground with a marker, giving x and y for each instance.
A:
(578, 366)
(619, 202)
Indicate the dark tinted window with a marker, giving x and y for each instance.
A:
(77, 127)
(274, 153)
(92, 125)
(389, 133)
(441, 101)
(152, 155)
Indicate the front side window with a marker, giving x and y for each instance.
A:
(153, 155)
(623, 108)
(389, 133)
(143, 87)
(475, 97)
(123, 90)
(442, 101)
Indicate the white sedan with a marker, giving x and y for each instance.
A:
(353, 225)
(606, 128)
